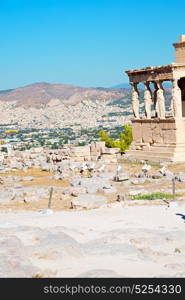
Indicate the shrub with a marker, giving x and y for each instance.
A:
(153, 196)
(125, 137)
(81, 144)
(124, 141)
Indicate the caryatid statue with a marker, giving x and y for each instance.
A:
(176, 100)
(147, 100)
(135, 100)
(160, 101)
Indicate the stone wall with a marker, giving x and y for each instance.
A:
(92, 152)
(158, 139)
(180, 52)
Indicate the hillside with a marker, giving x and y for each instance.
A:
(40, 94)
(44, 105)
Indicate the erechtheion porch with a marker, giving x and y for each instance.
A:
(159, 135)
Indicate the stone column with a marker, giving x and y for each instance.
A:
(160, 101)
(155, 97)
(147, 100)
(176, 99)
(135, 100)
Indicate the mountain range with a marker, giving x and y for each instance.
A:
(40, 94)
(45, 105)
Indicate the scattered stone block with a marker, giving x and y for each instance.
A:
(88, 201)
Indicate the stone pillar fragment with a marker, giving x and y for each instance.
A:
(176, 100)
(135, 100)
(147, 100)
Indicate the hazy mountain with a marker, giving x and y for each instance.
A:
(40, 94)
(5, 91)
(44, 105)
(121, 86)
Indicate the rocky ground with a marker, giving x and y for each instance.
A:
(87, 232)
(136, 241)
(29, 188)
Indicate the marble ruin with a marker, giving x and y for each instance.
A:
(160, 135)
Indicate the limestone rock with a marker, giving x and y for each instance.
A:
(106, 246)
(74, 191)
(13, 259)
(111, 190)
(121, 177)
(91, 184)
(136, 192)
(99, 273)
(88, 201)
(56, 245)
(7, 195)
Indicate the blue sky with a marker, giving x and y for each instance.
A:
(85, 42)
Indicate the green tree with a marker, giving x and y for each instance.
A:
(110, 143)
(55, 146)
(124, 141)
(125, 137)
(103, 136)
(81, 144)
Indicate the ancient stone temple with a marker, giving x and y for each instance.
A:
(160, 134)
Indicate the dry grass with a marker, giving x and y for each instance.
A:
(177, 167)
(40, 179)
(34, 172)
(110, 197)
(56, 205)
